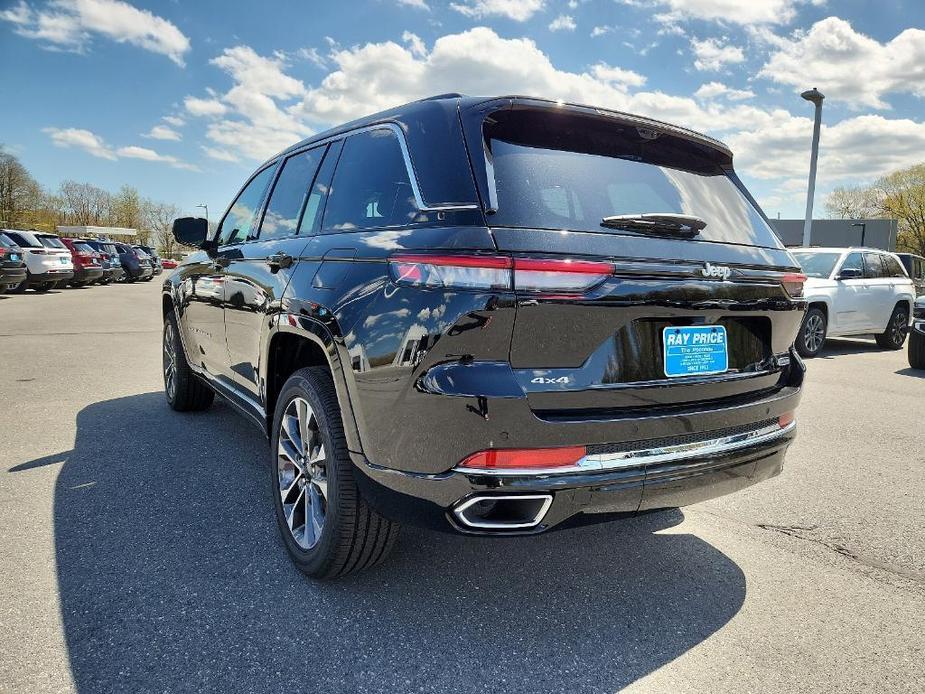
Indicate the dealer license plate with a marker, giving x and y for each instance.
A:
(695, 350)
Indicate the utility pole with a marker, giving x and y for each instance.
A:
(816, 97)
(863, 226)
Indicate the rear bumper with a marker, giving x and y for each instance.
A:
(12, 275)
(87, 274)
(681, 478)
(51, 276)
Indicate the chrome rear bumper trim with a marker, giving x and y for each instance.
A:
(603, 462)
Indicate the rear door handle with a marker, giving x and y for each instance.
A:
(221, 262)
(279, 260)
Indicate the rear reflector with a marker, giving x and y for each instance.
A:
(793, 284)
(499, 272)
(786, 420)
(524, 458)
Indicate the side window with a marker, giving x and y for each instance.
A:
(892, 266)
(371, 187)
(240, 220)
(853, 262)
(873, 268)
(290, 194)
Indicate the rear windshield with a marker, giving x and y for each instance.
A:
(51, 242)
(6, 241)
(562, 172)
(817, 264)
(140, 253)
(84, 248)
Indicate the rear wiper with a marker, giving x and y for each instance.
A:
(667, 223)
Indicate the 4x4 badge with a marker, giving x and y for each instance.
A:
(721, 271)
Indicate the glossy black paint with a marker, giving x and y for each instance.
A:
(426, 377)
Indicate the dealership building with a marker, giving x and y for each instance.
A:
(873, 233)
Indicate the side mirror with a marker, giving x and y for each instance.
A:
(850, 273)
(190, 231)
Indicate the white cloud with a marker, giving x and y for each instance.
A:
(162, 132)
(601, 30)
(518, 10)
(204, 107)
(713, 54)
(258, 73)
(312, 55)
(220, 154)
(414, 43)
(714, 90)
(617, 75)
(563, 23)
(847, 65)
(93, 144)
(72, 24)
(417, 4)
(81, 139)
(175, 121)
(745, 12)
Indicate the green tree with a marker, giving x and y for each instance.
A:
(902, 196)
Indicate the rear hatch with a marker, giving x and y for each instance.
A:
(57, 256)
(598, 300)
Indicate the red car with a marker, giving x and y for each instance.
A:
(168, 264)
(88, 265)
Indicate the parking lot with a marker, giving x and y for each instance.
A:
(139, 550)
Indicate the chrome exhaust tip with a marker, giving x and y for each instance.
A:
(490, 512)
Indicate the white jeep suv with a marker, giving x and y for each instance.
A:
(853, 291)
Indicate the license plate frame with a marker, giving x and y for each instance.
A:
(694, 350)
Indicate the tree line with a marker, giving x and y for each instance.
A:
(25, 204)
(899, 195)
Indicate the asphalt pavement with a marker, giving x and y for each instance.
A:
(138, 550)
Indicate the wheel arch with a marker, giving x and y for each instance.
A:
(295, 342)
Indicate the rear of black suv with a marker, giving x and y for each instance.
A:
(491, 316)
(625, 346)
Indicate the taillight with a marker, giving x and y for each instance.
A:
(524, 458)
(499, 272)
(3, 251)
(793, 284)
(464, 271)
(786, 420)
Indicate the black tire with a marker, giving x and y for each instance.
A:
(21, 287)
(352, 536)
(916, 350)
(811, 338)
(44, 286)
(894, 337)
(78, 285)
(187, 393)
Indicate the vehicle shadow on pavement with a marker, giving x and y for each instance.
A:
(835, 347)
(172, 577)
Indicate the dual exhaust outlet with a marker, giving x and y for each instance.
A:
(492, 512)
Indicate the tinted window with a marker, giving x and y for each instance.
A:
(571, 174)
(83, 248)
(892, 266)
(140, 253)
(854, 261)
(872, 266)
(237, 225)
(817, 264)
(27, 240)
(51, 242)
(290, 194)
(371, 187)
(6, 241)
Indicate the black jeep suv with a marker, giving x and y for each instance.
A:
(490, 315)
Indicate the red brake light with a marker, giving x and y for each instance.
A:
(3, 251)
(793, 283)
(524, 458)
(786, 419)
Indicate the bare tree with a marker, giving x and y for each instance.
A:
(158, 217)
(853, 202)
(19, 192)
(84, 204)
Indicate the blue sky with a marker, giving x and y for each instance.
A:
(182, 100)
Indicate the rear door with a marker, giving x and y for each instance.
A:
(596, 304)
(259, 269)
(853, 298)
(879, 293)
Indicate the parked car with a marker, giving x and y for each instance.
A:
(48, 264)
(135, 268)
(490, 316)
(146, 261)
(917, 335)
(109, 260)
(88, 263)
(156, 263)
(12, 264)
(169, 264)
(853, 291)
(915, 268)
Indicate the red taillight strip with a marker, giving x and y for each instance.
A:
(494, 262)
(524, 458)
(584, 267)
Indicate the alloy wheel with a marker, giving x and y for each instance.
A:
(301, 468)
(897, 327)
(813, 333)
(170, 361)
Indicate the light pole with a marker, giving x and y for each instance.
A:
(863, 226)
(816, 97)
(206, 208)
